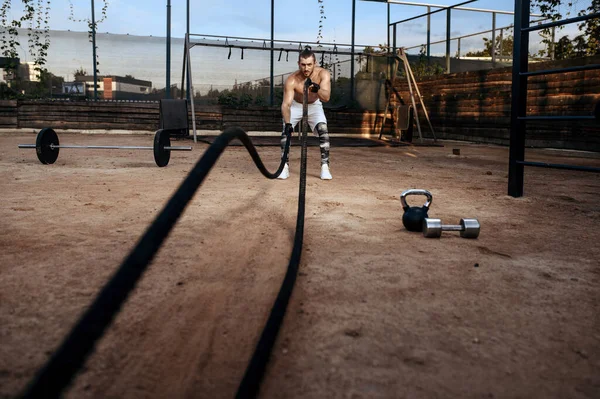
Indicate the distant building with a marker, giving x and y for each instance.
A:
(73, 88)
(25, 71)
(116, 87)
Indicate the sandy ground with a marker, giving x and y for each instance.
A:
(377, 311)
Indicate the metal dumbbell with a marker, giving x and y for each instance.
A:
(469, 228)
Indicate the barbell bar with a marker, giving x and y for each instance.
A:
(468, 228)
(111, 147)
(47, 147)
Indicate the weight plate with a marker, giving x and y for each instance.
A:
(162, 140)
(45, 154)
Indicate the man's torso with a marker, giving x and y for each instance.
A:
(299, 85)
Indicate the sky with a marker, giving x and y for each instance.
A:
(142, 53)
(294, 19)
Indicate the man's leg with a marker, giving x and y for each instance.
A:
(321, 129)
(295, 117)
(283, 140)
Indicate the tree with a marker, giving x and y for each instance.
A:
(583, 45)
(591, 29)
(504, 46)
(92, 25)
(35, 17)
(79, 72)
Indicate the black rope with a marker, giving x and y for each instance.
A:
(68, 359)
(250, 384)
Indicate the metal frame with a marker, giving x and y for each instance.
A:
(272, 49)
(518, 111)
(448, 23)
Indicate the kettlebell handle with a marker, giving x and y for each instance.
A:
(415, 191)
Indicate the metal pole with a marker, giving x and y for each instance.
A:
(458, 50)
(448, 40)
(272, 83)
(352, 51)
(108, 147)
(493, 49)
(518, 105)
(394, 40)
(94, 53)
(552, 46)
(187, 31)
(389, 44)
(428, 34)
(168, 82)
(500, 52)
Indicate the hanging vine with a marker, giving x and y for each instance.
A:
(321, 19)
(91, 25)
(35, 18)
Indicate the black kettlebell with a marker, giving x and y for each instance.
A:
(413, 216)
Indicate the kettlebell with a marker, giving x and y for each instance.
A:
(413, 216)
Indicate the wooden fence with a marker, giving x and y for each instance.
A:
(471, 106)
(475, 106)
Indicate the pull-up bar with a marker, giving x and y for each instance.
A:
(446, 8)
(410, 3)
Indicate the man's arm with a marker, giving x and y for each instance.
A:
(324, 92)
(288, 97)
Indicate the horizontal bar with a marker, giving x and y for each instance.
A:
(177, 148)
(560, 70)
(110, 147)
(558, 118)
(268, 41)
(409, 3)
(245, 47)
(102, 147)
(452, 227)
(483, 32)
(560, 166)
(432, 12)
(560, 23)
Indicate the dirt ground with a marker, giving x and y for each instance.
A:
(377, 311)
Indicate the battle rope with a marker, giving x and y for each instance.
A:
(256, 368)
(64, 364)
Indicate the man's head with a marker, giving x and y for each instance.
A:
(306, 62)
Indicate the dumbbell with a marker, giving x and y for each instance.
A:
(469, 228)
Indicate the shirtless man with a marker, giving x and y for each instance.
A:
(291, 108)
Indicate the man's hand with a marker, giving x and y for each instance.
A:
(289, 129)
(312, 86)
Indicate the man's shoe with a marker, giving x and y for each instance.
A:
(285, 173)
(325, 174)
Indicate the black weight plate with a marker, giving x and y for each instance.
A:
(597, 111)
(162, 140)
(45, 154)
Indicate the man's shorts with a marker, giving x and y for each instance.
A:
(315, 114)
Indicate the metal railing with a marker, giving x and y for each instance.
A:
(518, 113)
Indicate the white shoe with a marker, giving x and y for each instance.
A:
(285, 173)
(325, 174)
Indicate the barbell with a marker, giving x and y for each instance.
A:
(47, 147)
(468, 228)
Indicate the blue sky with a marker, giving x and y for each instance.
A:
(144, 56)
(294, 20)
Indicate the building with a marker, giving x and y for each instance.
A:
(115, 87)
